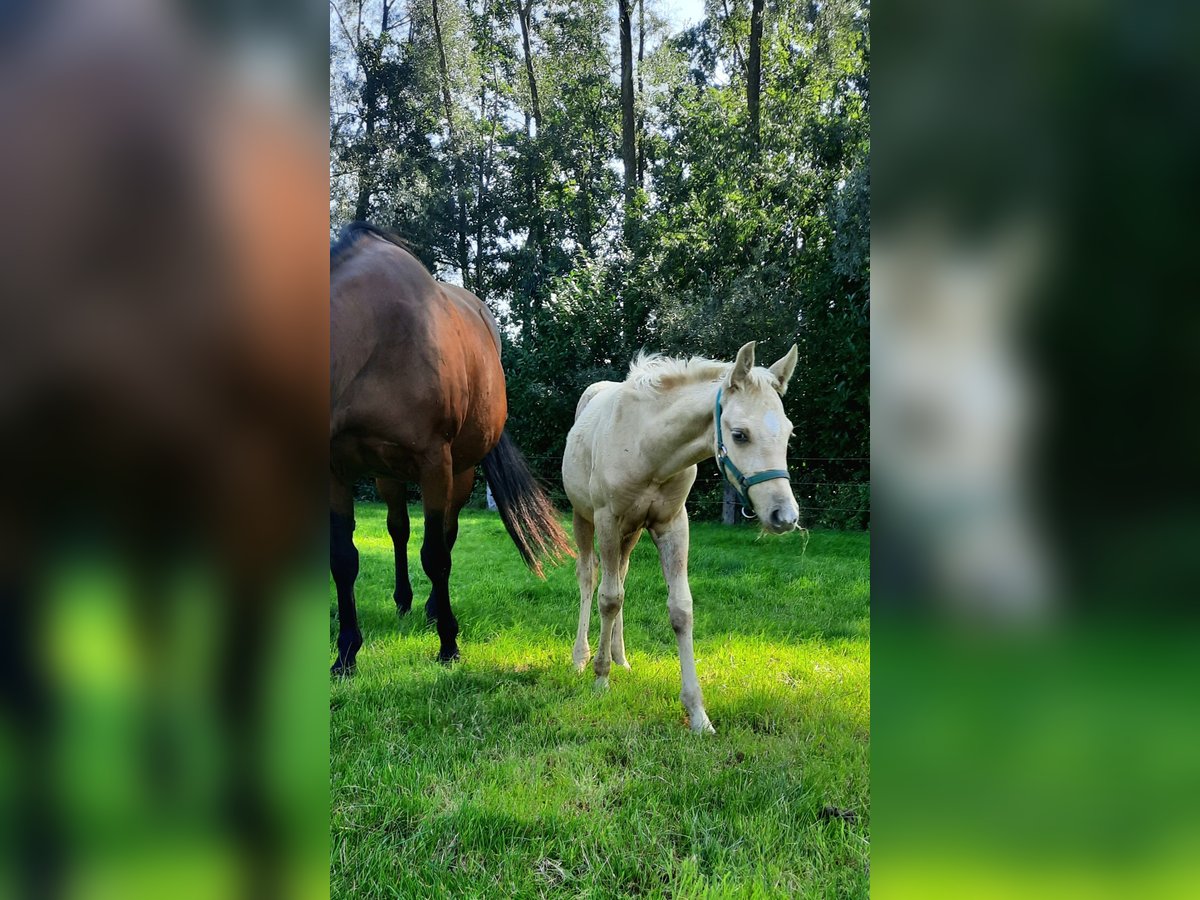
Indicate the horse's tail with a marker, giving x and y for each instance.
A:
(525, 508)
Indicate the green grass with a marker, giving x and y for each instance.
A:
(506, 775)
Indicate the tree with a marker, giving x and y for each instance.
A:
(754, 69)
(628, 151)
(722, 197)
(458, 201)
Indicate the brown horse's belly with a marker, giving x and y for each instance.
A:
(480, 431)
(352, 457)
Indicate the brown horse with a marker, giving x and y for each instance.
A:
(417, 395)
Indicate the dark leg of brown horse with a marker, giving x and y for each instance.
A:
(395, 494)
(161, 742)
(343, 564)
(463, 482)
(29, 710)
(436, 493)
(248, 809)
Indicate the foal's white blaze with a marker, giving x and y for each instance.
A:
(629, 464)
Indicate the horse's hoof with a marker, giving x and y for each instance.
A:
(446, 659)
(348, 645)
(580, 657)
(600, 685)
(403, 610)
(703, 726)
(624, 664)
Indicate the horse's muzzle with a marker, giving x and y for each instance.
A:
(782, 519)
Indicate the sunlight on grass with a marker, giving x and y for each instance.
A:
(507, 775)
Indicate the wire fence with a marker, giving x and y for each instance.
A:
(824, 503)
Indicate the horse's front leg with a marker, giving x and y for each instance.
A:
(395, 494)
(672, 541)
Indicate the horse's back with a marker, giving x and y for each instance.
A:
(606, 463)
(593, 420)
(474, 308)
(414, 366)
(589, 394)
(377, 302)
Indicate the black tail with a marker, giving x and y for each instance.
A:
(525, 509)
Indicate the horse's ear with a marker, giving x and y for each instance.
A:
(742, 366)
(783, 370)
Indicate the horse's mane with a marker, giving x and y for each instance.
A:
(655, 372)
(349, 237)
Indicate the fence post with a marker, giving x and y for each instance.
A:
(728, 504)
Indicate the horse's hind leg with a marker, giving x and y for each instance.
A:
(612, 596)
(436, 490)
(463, 483)
(586, 570)
(343, 565)
(395, 493)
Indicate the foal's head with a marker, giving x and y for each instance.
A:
(753, 435)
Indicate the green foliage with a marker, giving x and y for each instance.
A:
(729, 239)
(506, 775)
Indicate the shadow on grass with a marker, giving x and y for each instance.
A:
(789, 598)
(550, 702)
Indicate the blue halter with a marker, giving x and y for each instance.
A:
(741, 483)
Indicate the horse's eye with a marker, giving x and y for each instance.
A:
(740, 436)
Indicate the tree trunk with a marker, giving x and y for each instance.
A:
(459, 204)
(628, 151)
(480, 188)
(631, 302)
(524, 11)
(366, 152)
(536, 241)
(485, 181)
(641, 123)
(754, 69)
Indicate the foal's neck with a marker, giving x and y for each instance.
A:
(681, 433)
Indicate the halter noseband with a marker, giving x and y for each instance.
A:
(741, 483)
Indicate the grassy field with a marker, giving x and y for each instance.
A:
(505, 775)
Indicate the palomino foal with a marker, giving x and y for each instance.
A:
(630, 462)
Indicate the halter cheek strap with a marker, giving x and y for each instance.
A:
(741, 483)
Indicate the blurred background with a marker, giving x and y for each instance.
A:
(163, 359)
(1033, 450)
